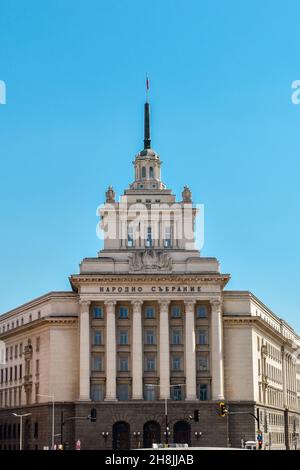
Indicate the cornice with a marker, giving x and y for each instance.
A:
(125, 278)
(41, 322)
(257, 322)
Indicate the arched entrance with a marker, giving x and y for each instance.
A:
(121, 435)
(182, 432)
(151, 433)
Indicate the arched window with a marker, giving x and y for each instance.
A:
(151, 433)
(182, 433)
(143, 172)
(151, 172)
(121, 435)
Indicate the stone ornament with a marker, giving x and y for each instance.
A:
(186, 194)
(110, 195)
(150, 261)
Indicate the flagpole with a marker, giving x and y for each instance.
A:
(147, 89)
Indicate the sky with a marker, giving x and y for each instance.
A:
(222, 121)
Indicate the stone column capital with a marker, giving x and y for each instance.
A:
(190, 304)
(164, 303)
(84, 304)
(215, 304)
(110, 304)
(137, 305)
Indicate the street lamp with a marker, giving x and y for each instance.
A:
(166, 433)
(21, 425)
(52, 397)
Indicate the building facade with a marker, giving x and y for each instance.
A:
(147, 335)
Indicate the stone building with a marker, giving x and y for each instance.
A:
(147, 335)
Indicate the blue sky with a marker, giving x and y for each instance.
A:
(222, 121)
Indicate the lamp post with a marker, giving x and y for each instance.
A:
(52, 397)
(21, 425)
(166, 410)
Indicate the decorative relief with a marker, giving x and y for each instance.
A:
(150, 261)
(110, 195)
(186, 194)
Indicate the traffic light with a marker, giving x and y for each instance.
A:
(196, 416)
(93, 415)
(223, 410)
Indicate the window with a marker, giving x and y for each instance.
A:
(21, 349)
(150, 337)
(150, 363)
(143, 172)
(201, 311)
(30, 317)
(16, 351)
(97, 392)
(176, 336)
(167, 238)
(123, 339)
(97, 363)
(150, 312)
(176, 393)
(36, 430)
(20, 371)
(123, 392)
(150, 393)
(130, 237)
(176, 363)
(149, 237)
(37, 366)
(38, 341)
(203, 392)
(123, 312)
(176, 311)
(203, 363)
(97, 337)
(123, 364)
(16, 372)
(202, 337)
(151, 172)
(98, 312)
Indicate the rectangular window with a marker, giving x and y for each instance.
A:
(97, 392)
(123, 392)
(123, 338)
(150, 393)
(202, 337)
(167, 237)
(176, 393)
(176, 311)
(97, 312)
(176, 337)
(97, 337)
(130, 237)
(20, 371)
(176, 363)
(37, 366)
(150, 337)
(123, 312)
(149, 241)
(150, 312)
(123, 364)
(201, 311)
(97, 364)
(203, 392)
(150, 363)
(203, 363)
(21, 349)
(16, 372)
(38, 341)
(16, 351)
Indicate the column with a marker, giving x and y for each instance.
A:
(217, 365)
(164, 349)
(84, 351)
(137, 351)
(111, 359)
(190, 350)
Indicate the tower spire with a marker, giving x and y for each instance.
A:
(147, 140)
